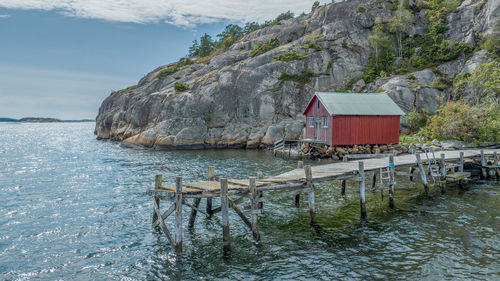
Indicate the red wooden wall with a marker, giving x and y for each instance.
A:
(318, 114)
(365, 129)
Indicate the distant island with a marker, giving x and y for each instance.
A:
(41, 120)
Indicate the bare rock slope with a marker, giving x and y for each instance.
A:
(239, 101)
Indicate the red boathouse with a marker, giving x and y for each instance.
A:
(353, 118)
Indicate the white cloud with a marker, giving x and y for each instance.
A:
(185, 13)
(4, 16)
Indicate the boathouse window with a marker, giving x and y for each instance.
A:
(325, 121)
(318, 104)
(311, 121)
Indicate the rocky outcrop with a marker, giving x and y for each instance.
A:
(239, 101)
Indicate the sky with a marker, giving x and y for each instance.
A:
(62, 58)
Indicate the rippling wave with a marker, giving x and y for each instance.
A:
(72, 207)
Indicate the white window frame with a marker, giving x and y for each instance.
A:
(325, 121)
(310, 122)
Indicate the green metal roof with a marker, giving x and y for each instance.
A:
(359, 103)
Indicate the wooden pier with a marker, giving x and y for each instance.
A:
(246, 196)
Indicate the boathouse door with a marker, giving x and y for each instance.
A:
(318, 129)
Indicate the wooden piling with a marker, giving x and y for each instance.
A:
(226, 236)
(342, 191)
(495, 163)
(254, 209)
(310, 186)
(194, 211)
(422, 174)
(260, 175)
(461, 167)
(211, 177)
(178, 214)
(391, 168)
(300, 165)
(410, 171)
(484, 172)
(158, 182)
(442, 182)
(362, 178)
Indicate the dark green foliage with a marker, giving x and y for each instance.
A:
(206, 46)
(184, 62)
(128, 89)
(361, 9)
(440, 83)
(290, 56)
(267, 46)
(315, 6)
(312, 44)
(193, 50)
(303, 78)
(167, 71)
(251, 27)
(417, 119)
(418, 62)
(208, 118)
(181, 87)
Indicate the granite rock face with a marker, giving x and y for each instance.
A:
(238, 101)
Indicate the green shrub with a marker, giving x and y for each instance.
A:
(128, 89)
(184, 62)
(462, 121)
(208, 118)
(311, 42)
(417, 119)
(290, 56)
(168, 71)
(418, 62)
(440, 83)
(303, 78)
(205, 60)
(361, 9)
(492, 46)
(267, 46)
(181, 87)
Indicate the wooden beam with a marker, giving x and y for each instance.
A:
(194, 210)
(362, 200)
(158, 182)
(342, 191)
(163, 225)
(178, 214)
(254, 207)
(226, 236)
(422, 174)
(239, 212)
(442, 182)
(310, 185)
(211, 177)
(165, 215)
(484, 173)
(300, 165)
(392, 181)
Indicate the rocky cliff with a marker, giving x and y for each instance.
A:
(241, 101)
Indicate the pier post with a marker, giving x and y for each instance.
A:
(260, 175)
(310, 186)
(422, 174)
(484, 173)
(391, 181)
(442, 182)
(254, 209)
(192, 216)
(158, 182)
(495, 163)
(211, 177)
(226, 236)
(410, 171)
(461, 166)
(178, 214)
(362, 179)
(342, 191)
(300, 165)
